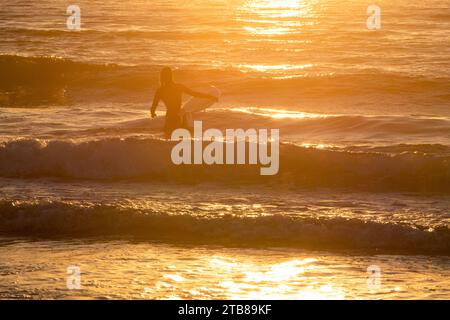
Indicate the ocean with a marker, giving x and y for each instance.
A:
(86, 177)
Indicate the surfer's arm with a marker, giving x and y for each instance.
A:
(200, 95)
(156, 100)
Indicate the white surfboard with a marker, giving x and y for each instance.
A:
(198, 104)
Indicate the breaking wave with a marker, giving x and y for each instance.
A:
(65, 219)
(149, 160)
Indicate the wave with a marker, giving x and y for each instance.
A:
(69, 81)
(389, 134)
(149, 160)
(337, 128)
(65, 219)
(121, 34)
(381, 134)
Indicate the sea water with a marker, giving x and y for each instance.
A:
(86, 178)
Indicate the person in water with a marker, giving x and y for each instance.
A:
(171, 94)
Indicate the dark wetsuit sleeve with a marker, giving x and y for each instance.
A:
(196, 94)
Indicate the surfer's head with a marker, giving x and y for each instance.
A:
(166, 76)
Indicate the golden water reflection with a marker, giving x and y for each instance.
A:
(279, 113)
(123, 270)
(268, 17)
(240, 279)
(276, 8)
(269, 20)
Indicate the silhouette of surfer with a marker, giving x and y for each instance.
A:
(171, 94)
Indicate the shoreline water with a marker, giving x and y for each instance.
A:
(37, 270)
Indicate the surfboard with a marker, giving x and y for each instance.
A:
(198, 104)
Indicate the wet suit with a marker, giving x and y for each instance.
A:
(171, 94)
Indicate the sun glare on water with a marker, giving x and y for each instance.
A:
(279, 114)
(273, 4)
(257, 282)
(275, 12)
(266, 20)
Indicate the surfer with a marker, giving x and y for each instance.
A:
(171, 94)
